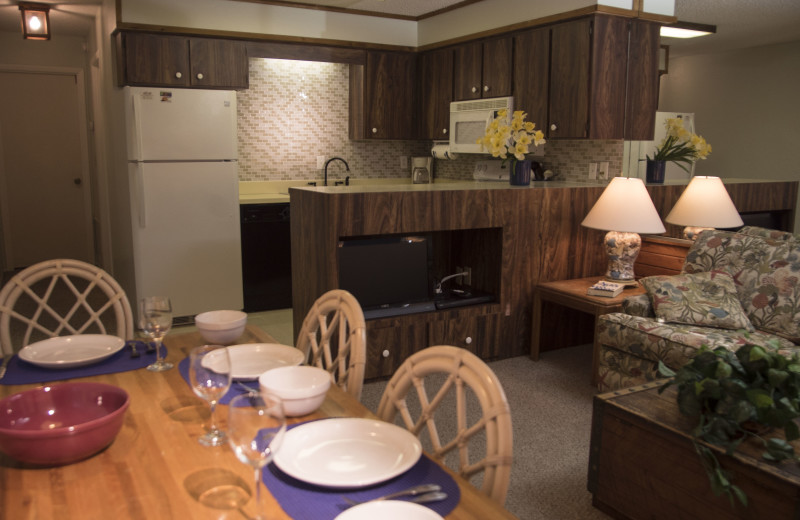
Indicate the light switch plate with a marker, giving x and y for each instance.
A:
(320, 162)
(592, 170)
(403, 162)
(604, 170)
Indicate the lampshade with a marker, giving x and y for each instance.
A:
(626, 206)
(35, 21)
(705, 203)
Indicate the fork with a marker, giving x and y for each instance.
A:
(422, 490)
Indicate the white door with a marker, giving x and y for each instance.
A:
(44, 172)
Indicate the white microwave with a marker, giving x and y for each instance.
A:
(468, 121)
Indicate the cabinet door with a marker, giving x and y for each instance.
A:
(389, 345)
(389, 95)
(569, 79)
(497, 69)
(436, 93)
(609, 66)
(479, 334)
(531, 75)
(468, 59)
(155, 59)
(218, 63)
(642, 91)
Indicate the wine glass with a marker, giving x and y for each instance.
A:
(155, 320)
(256, 426)
(210, 377)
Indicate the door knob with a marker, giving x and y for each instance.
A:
(77, 181)
(199, 75)
(553, 127)
(178, 75)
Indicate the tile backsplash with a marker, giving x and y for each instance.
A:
(295, 111)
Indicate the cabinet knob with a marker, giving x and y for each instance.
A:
(374, 130)
(474, 89)
(553, 127)
(385, 353)
(444, 130)
(178, 75)
(486, 88)
(199, 75)
(468, 341)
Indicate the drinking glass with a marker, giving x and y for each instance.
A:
(155, 320)
(256, 426)
(210, 377)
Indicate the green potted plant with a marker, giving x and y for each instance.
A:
(737, 396)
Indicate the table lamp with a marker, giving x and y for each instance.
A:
(624, 209)
(704, 204)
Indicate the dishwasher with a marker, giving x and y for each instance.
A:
(266, 256)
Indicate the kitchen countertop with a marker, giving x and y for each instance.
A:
(266, 192)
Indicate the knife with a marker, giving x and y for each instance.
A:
(4, 365)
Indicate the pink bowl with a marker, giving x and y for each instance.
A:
(61, 424)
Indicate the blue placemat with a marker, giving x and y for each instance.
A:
(21, 372)
(235, 389)
(302, 501)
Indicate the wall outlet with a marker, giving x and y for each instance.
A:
(604, 170)
(403, 162)
(320, 162)
(592, 170)
(466, 280)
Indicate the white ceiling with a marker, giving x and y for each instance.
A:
(740, 23)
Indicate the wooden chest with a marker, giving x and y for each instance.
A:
(643, 465)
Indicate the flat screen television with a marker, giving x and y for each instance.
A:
(385, 271)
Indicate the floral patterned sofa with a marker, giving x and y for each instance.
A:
(734, 288)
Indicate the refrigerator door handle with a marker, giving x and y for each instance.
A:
(141, 201)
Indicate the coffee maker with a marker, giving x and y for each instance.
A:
(421, 170)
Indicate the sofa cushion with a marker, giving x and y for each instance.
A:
(675, 344)
(708, 299)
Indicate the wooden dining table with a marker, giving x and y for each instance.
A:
(156, 469)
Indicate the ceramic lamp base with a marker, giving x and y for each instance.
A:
(691, 232)
(622, 249)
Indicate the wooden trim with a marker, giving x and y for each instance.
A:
(315, 7)
(292, 51)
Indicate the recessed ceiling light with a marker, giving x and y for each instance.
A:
(687, 30)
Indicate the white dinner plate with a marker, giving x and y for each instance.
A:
(347, 452)
(389, 510)
(250, 360)
(71, 351)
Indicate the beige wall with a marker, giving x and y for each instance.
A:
(746, 105)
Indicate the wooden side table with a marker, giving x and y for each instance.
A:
(572, 294)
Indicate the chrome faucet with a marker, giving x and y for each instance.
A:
(325, 180)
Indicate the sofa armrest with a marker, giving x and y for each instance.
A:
(638, 305)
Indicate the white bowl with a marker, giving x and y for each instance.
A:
(221, 327)
(301, 388)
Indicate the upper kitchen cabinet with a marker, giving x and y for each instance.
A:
(436, 93)
(531, 73)
(382, 96)
(178, 61)
(483, 69)
(598, 90)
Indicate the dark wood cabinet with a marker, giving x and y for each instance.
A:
(178, 61)
(483, 69)
(531, 74)
(435, 89)
(382, 96)
(603, 78)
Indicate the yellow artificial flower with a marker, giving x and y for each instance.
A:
(504, 138)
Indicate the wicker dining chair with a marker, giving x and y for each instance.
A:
(61, 297)
(455, 374)
(333, 337)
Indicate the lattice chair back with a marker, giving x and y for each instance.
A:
(468, 397)
(334, 337)
(59, 298)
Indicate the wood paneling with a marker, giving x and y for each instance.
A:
(532, 235)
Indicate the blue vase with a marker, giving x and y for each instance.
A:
(655, 171)
(519, 173)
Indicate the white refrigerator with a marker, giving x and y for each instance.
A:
(182, 162)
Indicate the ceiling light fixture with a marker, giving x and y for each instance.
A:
(35, 21)
(687, 30)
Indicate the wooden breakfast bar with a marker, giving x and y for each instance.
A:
(155, 468)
